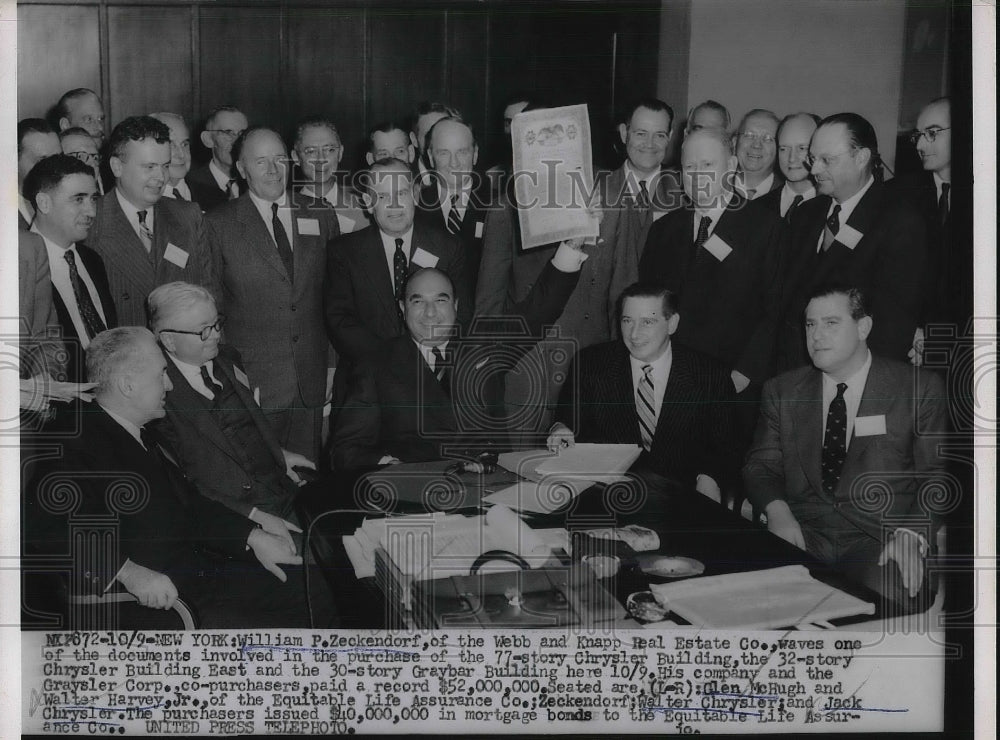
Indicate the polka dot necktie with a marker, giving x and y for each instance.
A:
(831, 228)
(399, 266)
(835, 441)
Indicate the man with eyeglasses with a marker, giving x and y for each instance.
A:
(857, 233)
(76, 142)
(756, 148)
(145, 239)
(317, 151)
(270, 259)
(794, 134)
(180, 155)
(214, 183)
(389, 140)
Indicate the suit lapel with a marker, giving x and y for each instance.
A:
(124, 250)
(257, 236)
(372, 259)
(194, 408)
(619, 375)
(678, 390)
(223, 369)
(807, 425)
(876, 400)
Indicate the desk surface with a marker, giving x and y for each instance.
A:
(688, 524)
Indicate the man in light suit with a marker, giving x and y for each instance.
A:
(317, 151)
(679, 409)
(756, 146)
(145, 239)
(846, 448)
(214, 183)
(367, 268)
(180, 155)
(63, 191)
(270, 261)
(433, 389)
(35, 140)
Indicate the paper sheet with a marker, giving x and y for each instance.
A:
(543, 497)
(591, 461)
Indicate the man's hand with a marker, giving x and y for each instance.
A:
(293, 460)
(781, 521)
(37, 392)
(916, 353)
(272, 551)
(560, 437)
(275, 525)
(706, 486)
(740, 381)
(151, 588)
(904, 548)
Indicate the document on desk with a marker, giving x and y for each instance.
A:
(548, 495)
(553, 174)
(596, 462)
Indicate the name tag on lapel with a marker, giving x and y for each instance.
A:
(175, 254)
(657, 215)
(849, 236)
(308, 226)
(717, 247)
(346, 224)
(869, 426)
(242, 377)
(479, 229)
(422, 258)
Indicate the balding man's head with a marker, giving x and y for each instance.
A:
(429, 306)
(707, 162)
(261, 158)
(452, 152)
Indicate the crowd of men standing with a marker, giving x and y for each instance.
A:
(300, 320)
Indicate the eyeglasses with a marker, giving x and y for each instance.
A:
(86, 157)
(931, 134)
(311, 152)
(204, 333)
(227, 132)
(753, 137)
(827, 160)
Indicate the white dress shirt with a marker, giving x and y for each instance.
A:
(389, 247)
(284, 215)
(444, 197)
(221, 178)
(132, 214)
(192, 374)
(633, 178)
(762, 189)
(852, 396)
(714, 213)
(846, 209)
(59, 271)
(788, 196)
(938, 182)
(181, 188)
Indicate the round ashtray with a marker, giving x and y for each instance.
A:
(643, 606)
(670, 566)
(603, 566)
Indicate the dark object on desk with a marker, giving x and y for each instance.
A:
(309, 475)
(498, 555)
(540, 598)
(433, 486)
(484, 463)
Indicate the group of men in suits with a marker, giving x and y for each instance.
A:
(691, 298)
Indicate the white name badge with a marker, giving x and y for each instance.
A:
(657, 215)
(849, 236)
(422, 258)
(242, 377)
(308, 226)
(175, 254)
(869, 426)
(346, 224)
(717, 247)
(479, 229)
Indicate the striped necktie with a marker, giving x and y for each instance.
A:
(145, 233)
(645, 405)
(454, 220)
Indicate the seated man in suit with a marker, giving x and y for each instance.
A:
(35, 141)
(389, 140)
(63, 192)
(317, 151)
(76, 142)
(645, 389)
(794, 134)
(845, 449)
(756, 147)
(145, 239)
(432, 388)
(163, 528)
(180, 155)
(214, 183)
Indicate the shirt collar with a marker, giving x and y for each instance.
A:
(633, 178)
(762, 188)
(428, 352)
(716, 211)
(264, 206)
(181, 187)
(661, 365)
(938, 182)
(330, 196)
(848, 206)
(389, 242)
(125, 424)
(222, 178)
(788, 195)
(51, 246)
(856, 382)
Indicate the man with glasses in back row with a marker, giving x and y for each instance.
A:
(214, 183)
(317, 151)
(756, 149)
(76, 142)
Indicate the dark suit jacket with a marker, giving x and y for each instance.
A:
(429, 211)
(889, 264)
(723, 305)
(76, 368)
(784, 461)
(275, 323)
(209, 457)
(41, 350)
(204, 190)
(132, 272)
(151, 516)
(361, 310)
(396, 406)
(348, 208)
(694, 432)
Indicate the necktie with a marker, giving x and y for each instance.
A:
(281, 240)
(454, 220)
(835, 441)
(144, 233)
(214, 387)
(751, 193)
(831, 228)
(232, 189)
(943, 203)
(643, 200)
(441, 368)
(88, 311)
(148, 441)
(645, 405)
(398, 269)
(795, 204)
(178, 194)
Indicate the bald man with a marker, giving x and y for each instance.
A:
(270, 259)
(794, 134)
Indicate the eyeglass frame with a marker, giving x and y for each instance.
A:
(227, 132)
(86, 157)
(827, 159)
(309, 152)
(931, 133)
(755, 137)
(204, 333)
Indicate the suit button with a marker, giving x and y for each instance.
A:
(293, 306)
(586, 316)
(126, 296)
(246, 486)
(295, 338)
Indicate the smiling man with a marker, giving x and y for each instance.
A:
(317, 151)
(180, 155)
(756, 147)
(794, 135)
(214, 183)
(145, 239)
(834, 434)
